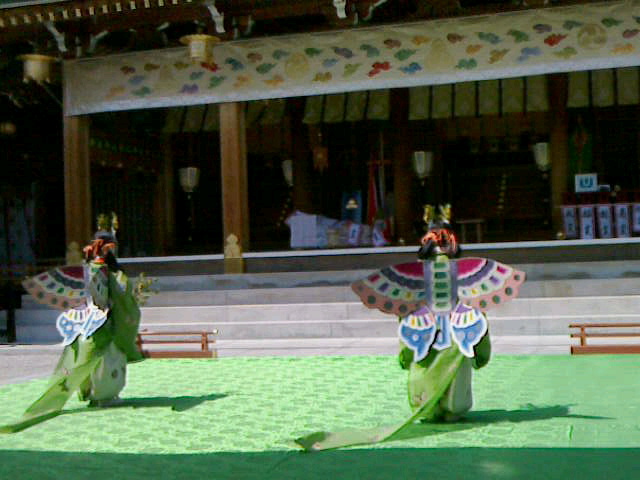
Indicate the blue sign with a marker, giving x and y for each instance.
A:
(586, 182)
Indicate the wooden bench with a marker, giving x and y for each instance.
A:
(583, 348)
(202, 338)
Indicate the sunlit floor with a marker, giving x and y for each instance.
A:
(234, 418)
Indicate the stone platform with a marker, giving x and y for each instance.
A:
(302, 313)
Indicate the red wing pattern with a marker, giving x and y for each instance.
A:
(484, 283)
(398, 289)
(60, 288)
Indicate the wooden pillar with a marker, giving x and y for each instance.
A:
(233, 166)
(403, 177)
(165, 202)
(77, 181)
(301, 156)
(558, 144)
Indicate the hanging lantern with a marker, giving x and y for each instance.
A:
(189, 178)
(422, 163)
(200, 47)
(541, 155)
(37, 67)
(7, 128)
(287, 171)
(320, 158)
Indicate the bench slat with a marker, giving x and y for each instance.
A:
(168, 342)
(602, 335)
(584, 349)
(204, 340)
(180, 333)
(588, 349)
(178, 354)
(603, 325)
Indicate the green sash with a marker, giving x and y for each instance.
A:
(436, 379)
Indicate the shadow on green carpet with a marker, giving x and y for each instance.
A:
(370, 464)
(177, 404)
(530, 413)
(475, 419)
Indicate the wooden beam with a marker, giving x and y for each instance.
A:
(233, 166)
(77, 180)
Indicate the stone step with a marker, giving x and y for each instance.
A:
(501, 344)
(299, 309)
(342, 293)
(551, 344)
(539, 289)
(338, 320)
(614, 269)
(300, 312)
(373, 328)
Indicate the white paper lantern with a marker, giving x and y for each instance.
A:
(37, 67)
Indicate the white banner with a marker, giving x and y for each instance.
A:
(622, 211)
(570, 221)
(354, 234)
(605, 220)
(587, 222)
(515, 44)
(636, 217)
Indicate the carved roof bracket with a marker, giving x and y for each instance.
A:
(341, 8)
(216, 16)
(57, 35)
(372, 6)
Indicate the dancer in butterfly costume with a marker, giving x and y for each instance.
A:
(441, 302)
(99, 326)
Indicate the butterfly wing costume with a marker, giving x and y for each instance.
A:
(441, 303)
(99, 325)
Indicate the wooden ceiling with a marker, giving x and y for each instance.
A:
(81, 28)
(87, 27)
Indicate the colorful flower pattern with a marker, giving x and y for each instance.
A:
(528, 39)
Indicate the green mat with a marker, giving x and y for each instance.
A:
(235, 418)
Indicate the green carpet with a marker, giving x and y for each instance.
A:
(234, 418)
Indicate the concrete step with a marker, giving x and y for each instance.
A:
(301, 312)
(550, 316)
(376, 327)
(308, 307)
(321, 305)
(330, 294)
(321, 346)
(501, 344)
(535, 272)
(317, 287)
(552, 344)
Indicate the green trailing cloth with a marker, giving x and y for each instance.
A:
(435, 380)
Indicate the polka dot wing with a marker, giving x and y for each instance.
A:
(61, 288)
(484, 283)
(398, 289)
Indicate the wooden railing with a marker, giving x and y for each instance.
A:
(202, 338)
(583, 335)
